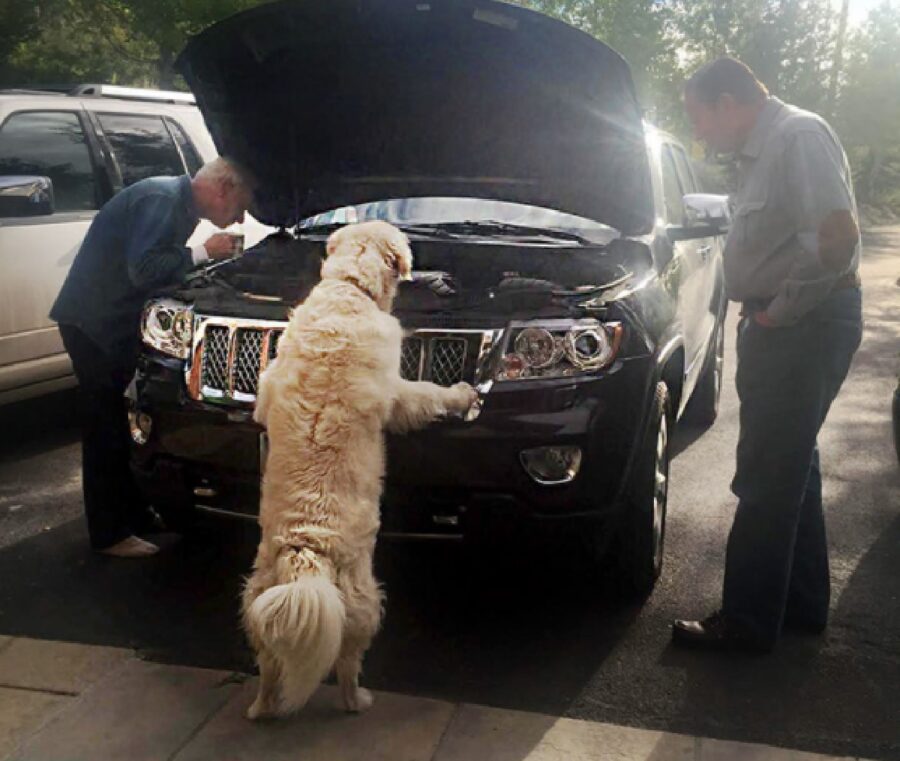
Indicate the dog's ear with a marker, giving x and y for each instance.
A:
(334, 240)
(397, 254)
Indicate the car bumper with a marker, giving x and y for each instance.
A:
(452, 480)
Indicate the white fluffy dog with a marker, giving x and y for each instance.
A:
(312, 603)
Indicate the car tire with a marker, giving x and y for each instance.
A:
(642, 532)
(703, 407)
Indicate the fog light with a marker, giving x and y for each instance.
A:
(140, 424)
(552, 465)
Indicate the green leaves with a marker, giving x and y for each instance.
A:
(790, 44)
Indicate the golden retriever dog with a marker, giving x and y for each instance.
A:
(312, 603)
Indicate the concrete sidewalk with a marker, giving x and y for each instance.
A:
(62, 701)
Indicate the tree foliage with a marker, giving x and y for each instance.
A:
(792, 45)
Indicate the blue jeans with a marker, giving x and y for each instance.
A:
(776, 567)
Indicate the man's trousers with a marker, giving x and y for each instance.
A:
(787, 377)
(112, 503)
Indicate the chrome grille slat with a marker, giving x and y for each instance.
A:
(273, 343)
(247, 356)
(411, 358)
(448, 360)
(214, 372)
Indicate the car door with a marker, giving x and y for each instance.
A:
(708, 251)
(36, 252)
(688, 261)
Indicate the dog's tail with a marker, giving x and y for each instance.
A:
(302, 623)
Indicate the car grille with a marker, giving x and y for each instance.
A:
(440, 359)
(230, 355)
(229, 358)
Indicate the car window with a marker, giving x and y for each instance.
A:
(685, 172)
(51, 144)
(188, 152)
(142, 146)
(671, 188)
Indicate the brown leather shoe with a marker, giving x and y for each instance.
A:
(713, 633)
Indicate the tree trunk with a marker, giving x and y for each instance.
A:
(874, 171)
(166, 69)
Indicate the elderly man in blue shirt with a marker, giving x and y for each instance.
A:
(135, 245)
(792, 260)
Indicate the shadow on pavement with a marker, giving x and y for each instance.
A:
(37, 425)
(790, 698)
(521, 632)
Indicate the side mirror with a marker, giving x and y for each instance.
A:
(25, 196)
(705, 215)
(706, 209)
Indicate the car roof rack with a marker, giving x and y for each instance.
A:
(134, 93)
(29, 90)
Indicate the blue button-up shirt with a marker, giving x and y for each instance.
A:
(134, 246)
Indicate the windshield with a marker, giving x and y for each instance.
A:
(424, 212)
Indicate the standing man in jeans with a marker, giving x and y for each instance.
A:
(134, 246)
(791, 259)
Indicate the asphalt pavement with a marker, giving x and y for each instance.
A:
(528, 633)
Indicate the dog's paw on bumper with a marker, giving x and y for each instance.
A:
(464, 396)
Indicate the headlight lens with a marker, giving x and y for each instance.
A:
(558, 348)
(168, 326)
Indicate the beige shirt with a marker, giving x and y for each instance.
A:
(793, 172)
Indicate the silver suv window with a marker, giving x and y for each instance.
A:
(51, 144)
(142, 147)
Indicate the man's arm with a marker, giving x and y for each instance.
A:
(838, 236)
(154, 259)
(820, 203)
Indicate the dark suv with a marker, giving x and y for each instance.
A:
(565, 266)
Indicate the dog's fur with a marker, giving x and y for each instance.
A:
(312, 603)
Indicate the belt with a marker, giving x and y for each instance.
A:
(849, 280)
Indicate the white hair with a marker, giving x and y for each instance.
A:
(222, 170)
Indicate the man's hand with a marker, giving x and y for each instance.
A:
(763, 319)
(220, 246)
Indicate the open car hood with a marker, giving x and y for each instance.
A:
(347, 101)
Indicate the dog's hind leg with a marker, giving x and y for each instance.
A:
(363, 602)
(266, 703)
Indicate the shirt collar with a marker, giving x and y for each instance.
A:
(187, 196)
(757, 137)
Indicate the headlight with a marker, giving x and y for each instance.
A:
(168, 326)
(558, 348)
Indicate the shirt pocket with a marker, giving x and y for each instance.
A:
(749, 225)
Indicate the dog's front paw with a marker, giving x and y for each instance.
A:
(464, 396)
(358, 701)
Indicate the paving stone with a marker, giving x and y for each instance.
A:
(479, 732)
(723, 750)
(396, 728)
(142, 712)
(23, 712)
(56, 666)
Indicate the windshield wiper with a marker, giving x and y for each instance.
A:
(450, 230)
(425, 231)
(507, 228)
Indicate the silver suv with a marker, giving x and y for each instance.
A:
(90, 142)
